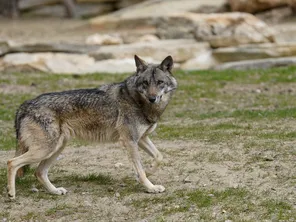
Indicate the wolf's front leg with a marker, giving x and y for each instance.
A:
(135, 156)
(146, 144)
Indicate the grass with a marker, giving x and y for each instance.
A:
(252, 112)
(230, 203)
(198, 98)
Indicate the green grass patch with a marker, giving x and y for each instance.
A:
(212, 133)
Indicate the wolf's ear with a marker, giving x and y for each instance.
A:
(167, 64)
(140, 64)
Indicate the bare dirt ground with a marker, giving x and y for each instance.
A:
(187, 165)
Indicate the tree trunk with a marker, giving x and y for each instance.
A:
(9, 8)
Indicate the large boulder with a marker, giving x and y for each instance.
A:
(63, 63)
(180, 49)
(255, 51)
(219, 29)
(258, 64)
(253, 6)
(4, 47)
(144, 13)
(81, 10)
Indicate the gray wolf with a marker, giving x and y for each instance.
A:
(126, 112)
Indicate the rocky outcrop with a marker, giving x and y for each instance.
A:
(180, 49)
(255, 51)
(4, 48)
(103, 39)
(258, 64)
(145, 13)
(220, 30)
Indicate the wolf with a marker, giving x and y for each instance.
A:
(126, 112)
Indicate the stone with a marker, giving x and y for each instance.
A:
(49, 62)
(203, 60)
(87, 10)
(258, 64)
(285, 33)
(148, 38)
(187, 180)
(144, 13)
(125, 3)
(255, 51)
(53, 47)
(4, 48)
(81, 10)
(219, 29)
(118, 66)
(29, 4)
(228, 29)
(276, 15)
(118, 165)
(34, 190)
(253, 6)
(63, 63)
(181, 50)
(96, 1)
(103, 39)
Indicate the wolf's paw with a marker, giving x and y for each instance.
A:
(156, 189)
(61, 191)
(11, 196)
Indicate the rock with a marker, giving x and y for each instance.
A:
(126, 65)
(148, 38)
(53, 47)
(258, 64)
(187, 180)
(253, 6)
(219, 29)
(118, 165)
(103, 39)
(144, 13)
(125, 3)
(96, 1)
(29, 4)
(203, 60)
(254, 51)
(34, 190)
(275, 16)
(4, 48)
(62, 63)
(228, 29)
(50, 62)
(285, 33)
(81, 10)
(181, 50)
(71, 63)
(87, 10)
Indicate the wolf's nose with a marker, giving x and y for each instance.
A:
(152, 99)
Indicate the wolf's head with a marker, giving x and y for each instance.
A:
(155, 83)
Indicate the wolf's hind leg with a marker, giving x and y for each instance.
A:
(30, 157)
(146, 144)
(42, 170)
(135, 156)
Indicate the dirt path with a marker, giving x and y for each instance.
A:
(187, 165)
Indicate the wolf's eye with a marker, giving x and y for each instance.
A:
(145, 83)
(159, 82)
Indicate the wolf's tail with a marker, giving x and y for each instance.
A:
(21, 148)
